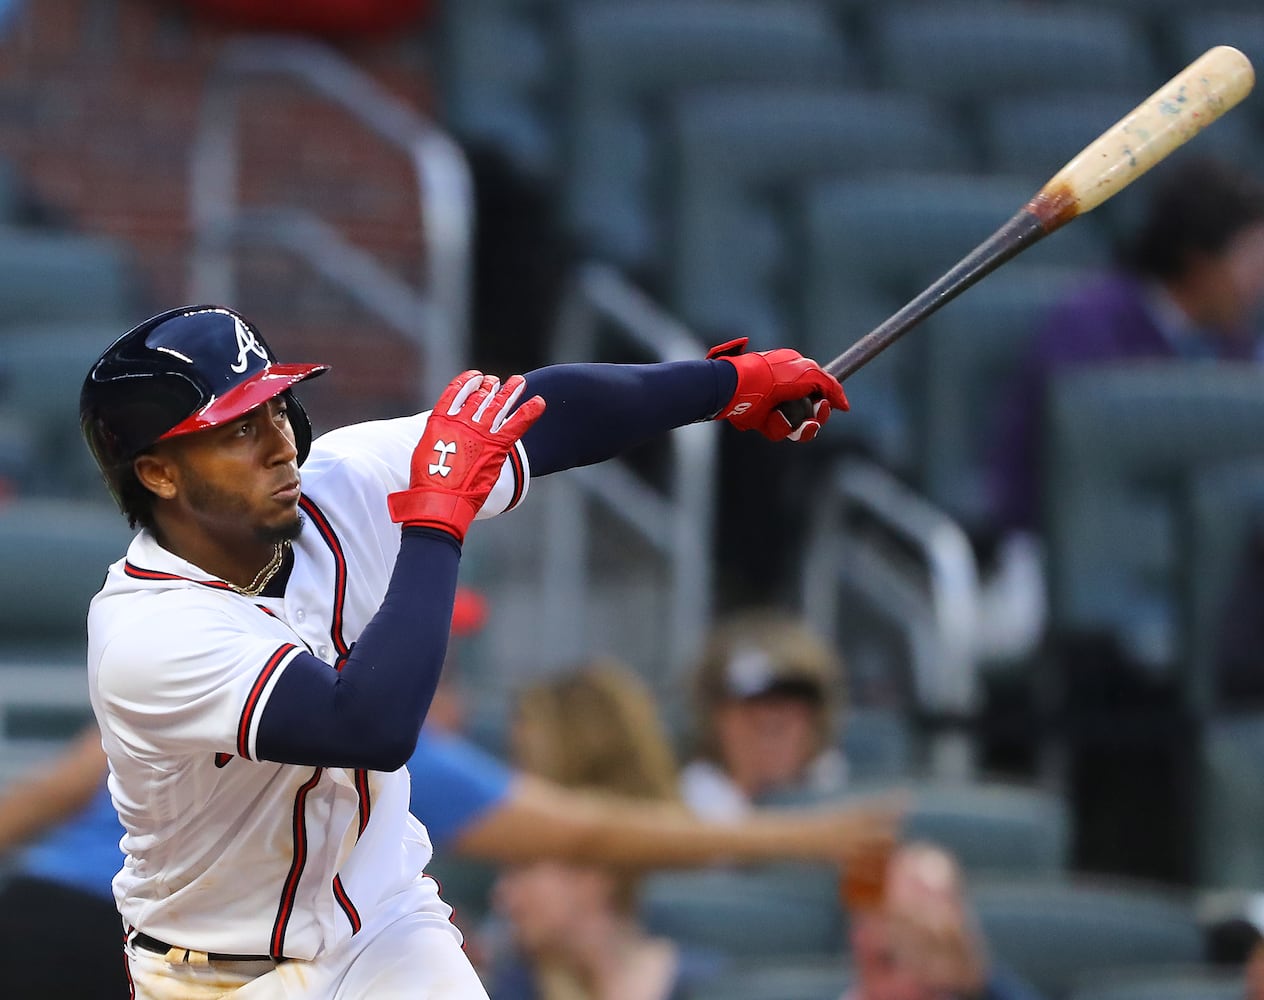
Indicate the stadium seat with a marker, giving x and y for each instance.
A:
(50, 276)
(738, 156)
(1054, 932)
(966, 50)
(42, 366)
(878, 743)
(749, 913)
(773, 979)
(56, 554)
(1231, 802)
(1225, 503)
(993, 828)
(870, 244)
(497, 66)
(627, 60)
(1162, 983)
(1121, 445)
(964, 358)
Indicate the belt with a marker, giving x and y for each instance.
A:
(191, 957)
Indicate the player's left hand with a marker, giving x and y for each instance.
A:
(766, 379)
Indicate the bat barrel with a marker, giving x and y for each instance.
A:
(1203, 91)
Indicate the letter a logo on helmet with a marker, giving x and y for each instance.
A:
(247, 343)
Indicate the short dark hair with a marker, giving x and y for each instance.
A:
(1198, 207)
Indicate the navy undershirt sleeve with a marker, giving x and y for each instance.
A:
(368, 714)
(597, 411)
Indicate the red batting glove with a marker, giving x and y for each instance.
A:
(459, 457)
(768, 378)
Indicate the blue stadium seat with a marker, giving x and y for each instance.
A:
(48, 276)
(749, 913)
(497, 64)
(56, 553)
(628, 60)
(1122, 444)
(741, 153)
(1053, 933)
(966, 50)
(964, 357)
(1164, 983)
(871, 244)
(42, 366)
(826, 978)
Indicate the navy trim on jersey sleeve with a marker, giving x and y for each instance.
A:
(597, 411)
(368, 713)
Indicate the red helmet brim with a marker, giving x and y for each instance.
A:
(244, 397)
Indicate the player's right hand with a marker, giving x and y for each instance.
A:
(765, 380)
(459, 457)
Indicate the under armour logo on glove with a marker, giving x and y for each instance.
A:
(474, 426)
(443, 449)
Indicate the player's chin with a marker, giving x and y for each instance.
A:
(285, 524)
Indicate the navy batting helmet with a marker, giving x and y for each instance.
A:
(184, 370)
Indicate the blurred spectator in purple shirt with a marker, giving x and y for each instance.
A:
(1189, 286)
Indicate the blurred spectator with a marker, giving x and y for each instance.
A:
(768, 696)
(1189, 286)
(575, 925)
(60, 934)
(482, 809)
(921, 941)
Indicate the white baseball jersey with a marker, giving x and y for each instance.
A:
(226, 853)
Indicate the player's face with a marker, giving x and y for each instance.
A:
(766, 742)
(242, 478)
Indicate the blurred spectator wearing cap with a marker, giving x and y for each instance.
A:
(768, 696)
(921, 940)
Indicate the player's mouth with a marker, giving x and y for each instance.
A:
(288, 493)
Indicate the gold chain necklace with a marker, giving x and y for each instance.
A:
(265, 575)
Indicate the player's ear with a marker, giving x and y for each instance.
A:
(157, 473)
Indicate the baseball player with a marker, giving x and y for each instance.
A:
(262, 659)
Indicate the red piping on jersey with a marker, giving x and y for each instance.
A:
(252, 699)
(362, 788)
(290, 890)
(139, 573)
(222, 759)
(340, 571)
(519, 477)
(348, 907)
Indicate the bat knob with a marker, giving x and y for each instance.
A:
(795, 411)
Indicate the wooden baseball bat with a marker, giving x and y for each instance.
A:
(1171, 116)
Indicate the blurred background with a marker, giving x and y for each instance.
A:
(404, 188)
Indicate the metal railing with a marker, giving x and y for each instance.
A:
(434, 313)
(933, 600)
(677, 525)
